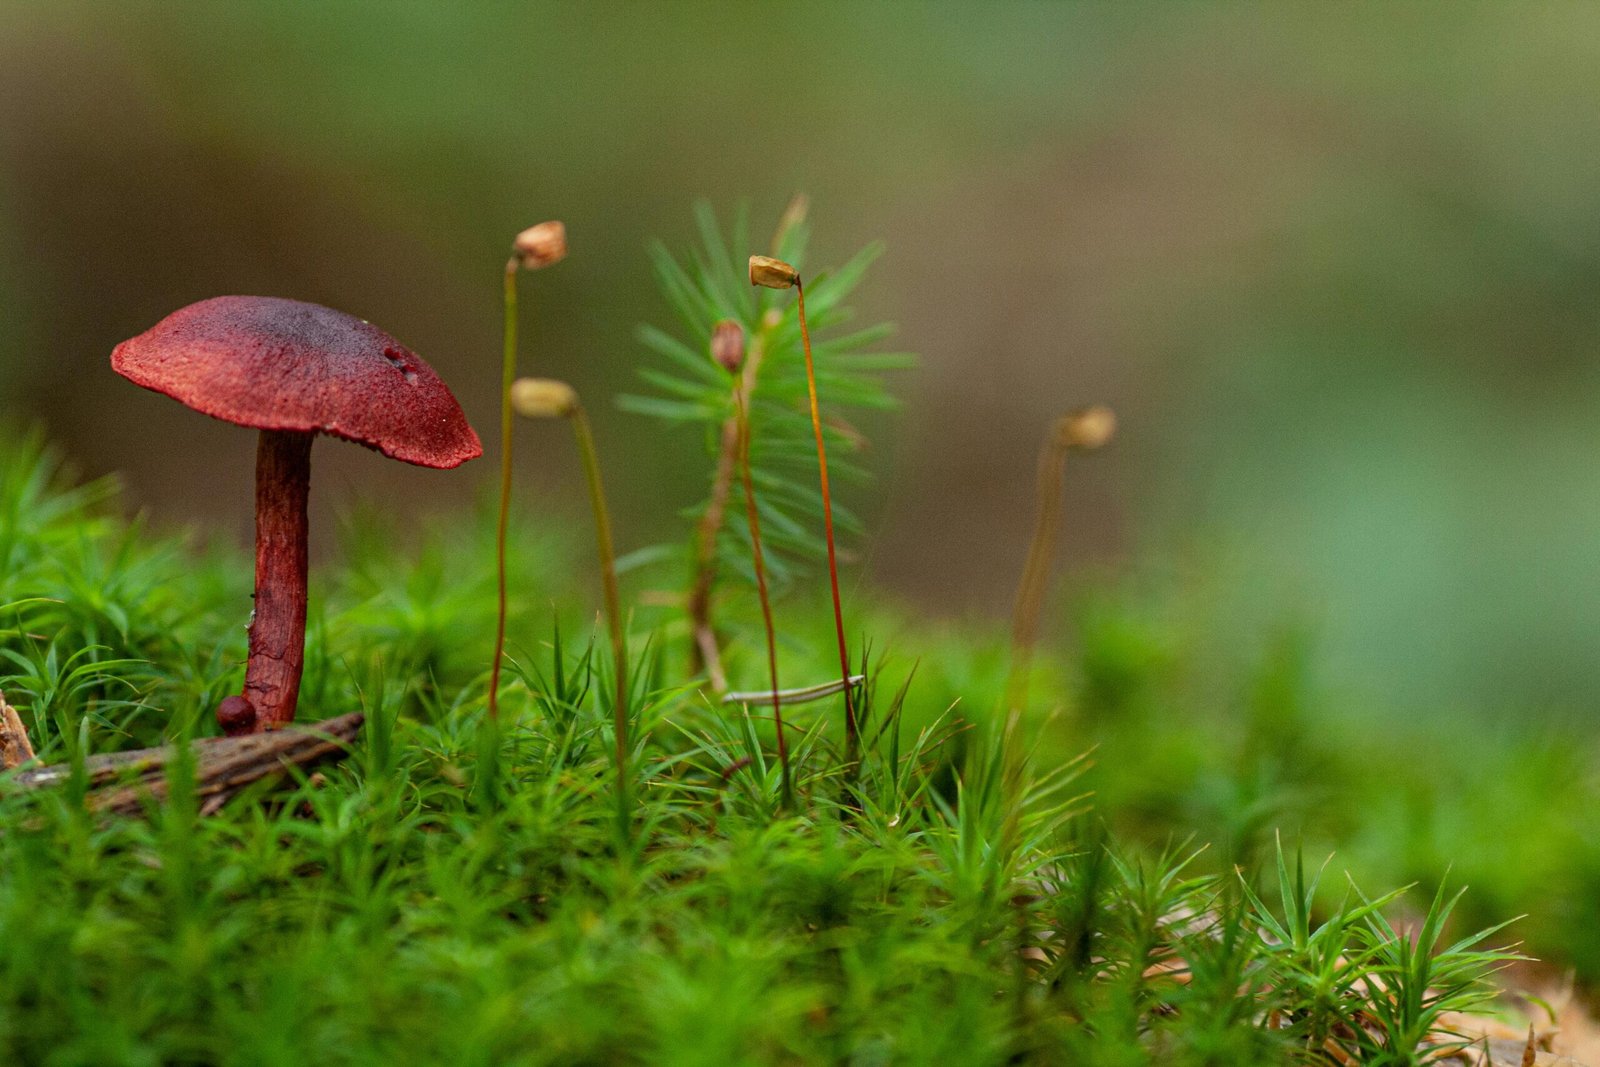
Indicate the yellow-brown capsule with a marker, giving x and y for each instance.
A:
(727, 345)
(541, 245)
(772, 273)
(543, 398)
(1087, 428)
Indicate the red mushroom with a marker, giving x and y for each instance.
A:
(293, 370)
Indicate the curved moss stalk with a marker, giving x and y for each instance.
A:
(543, 398)
(508, 373)
(584, 436)
(536, 247)
(776, 274)
(851, 728)
(1084, 430)
(703, 651)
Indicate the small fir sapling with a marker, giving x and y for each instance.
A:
(536, 247)
(727, 351)
(776, 274)
(543, 398)
(703, 650)
(689, 392)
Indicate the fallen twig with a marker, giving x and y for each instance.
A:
(224, 766)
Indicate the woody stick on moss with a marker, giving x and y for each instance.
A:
(776, 274)
(536, 247)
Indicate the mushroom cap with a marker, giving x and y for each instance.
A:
(277, 364)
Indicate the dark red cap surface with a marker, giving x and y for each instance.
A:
(286, 365)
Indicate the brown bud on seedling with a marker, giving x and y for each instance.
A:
(772, 273)
(543, 398)
(541, 245)
(1087, 428)
(727, 345)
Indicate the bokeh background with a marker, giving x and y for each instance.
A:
(1335, 266)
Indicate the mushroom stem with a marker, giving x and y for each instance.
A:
(278, 629)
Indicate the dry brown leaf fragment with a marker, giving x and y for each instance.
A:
(15, 749)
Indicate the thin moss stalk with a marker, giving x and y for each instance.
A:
(583, 434)
(703, 651)
(508, 373)
(1084, 430)
(851, 729)
(543, 398)
(776, 274)
(536, 247)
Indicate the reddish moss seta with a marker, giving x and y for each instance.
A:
(776, 274)
(851, 728)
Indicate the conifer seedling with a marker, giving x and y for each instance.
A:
(727, 351)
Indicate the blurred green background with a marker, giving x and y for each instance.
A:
(1335, 266)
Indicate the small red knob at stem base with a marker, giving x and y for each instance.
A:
(236, 715)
